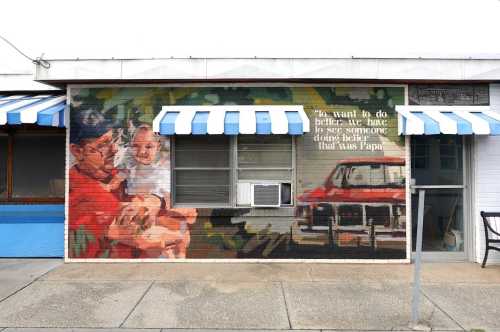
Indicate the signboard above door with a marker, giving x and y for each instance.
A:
(449, 94)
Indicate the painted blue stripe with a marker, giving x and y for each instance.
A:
(294, 123)
(464, 127)
(494, 124)
(431, 127)
(263, 123)
(403, 123)
(167, 124)
(32, 240)
(44, 118)
(199, 124)
(14, 116)
(232, 123)
(52, 208)
(31, 214)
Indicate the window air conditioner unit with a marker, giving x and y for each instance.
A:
(266, 194)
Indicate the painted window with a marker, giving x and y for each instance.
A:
(32, 165)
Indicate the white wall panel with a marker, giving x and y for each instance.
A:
(487, 179)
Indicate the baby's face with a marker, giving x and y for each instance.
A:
(145, 147)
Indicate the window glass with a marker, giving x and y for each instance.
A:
(203, 167)
(377, 175)
(270, 151)
(446, 165)
(38, 165)
(264, 159)
(394, 175)
(3, 165)
(337, 177)
(199, 151)
(202, 174)
(443, 220)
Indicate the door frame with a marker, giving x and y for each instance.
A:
(467, 198)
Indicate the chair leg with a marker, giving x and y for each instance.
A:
(485, 257)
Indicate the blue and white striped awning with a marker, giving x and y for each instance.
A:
(231, 120)
(454, 120)
(43, 110)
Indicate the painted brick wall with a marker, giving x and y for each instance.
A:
(487, 179)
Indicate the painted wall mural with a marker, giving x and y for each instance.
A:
(346, 195)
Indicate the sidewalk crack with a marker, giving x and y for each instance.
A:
(441, 309)
(286, 306)
(136, 304)
(25, 286)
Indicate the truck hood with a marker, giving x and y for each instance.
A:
(360, 195)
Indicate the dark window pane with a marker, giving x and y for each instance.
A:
(202, 195)
(210, 183)
(202, 187)
(202, 177)
(202, 151)
(445, 167)
(3, 166)
(443, 220)
(38, 165)
(270, 151)
(265, 159)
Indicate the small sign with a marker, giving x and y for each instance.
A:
(449, 94)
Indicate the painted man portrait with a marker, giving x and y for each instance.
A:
(104, 220)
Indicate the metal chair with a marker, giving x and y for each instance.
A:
(491, 235)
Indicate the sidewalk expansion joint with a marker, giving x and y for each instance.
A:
(25, 286)
(442, 310)
(286, 305)
(137, 303)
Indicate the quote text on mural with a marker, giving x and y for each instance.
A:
(353, 130)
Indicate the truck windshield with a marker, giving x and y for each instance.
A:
(368, 175)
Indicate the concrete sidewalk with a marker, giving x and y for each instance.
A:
(126, 297)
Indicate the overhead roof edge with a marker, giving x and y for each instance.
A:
(62, 71)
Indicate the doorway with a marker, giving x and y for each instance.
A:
(438, 165)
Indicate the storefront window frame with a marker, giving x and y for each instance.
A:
(233, 169)
(31, 129)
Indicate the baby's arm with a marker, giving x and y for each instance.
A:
(115, 182)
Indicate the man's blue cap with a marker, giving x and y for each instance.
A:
(86, 124)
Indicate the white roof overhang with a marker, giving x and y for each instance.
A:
(405, 69)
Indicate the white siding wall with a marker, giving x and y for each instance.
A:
(487, 176)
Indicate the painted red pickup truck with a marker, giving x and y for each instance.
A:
(361, 203)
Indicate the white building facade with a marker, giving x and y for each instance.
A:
(459, 170)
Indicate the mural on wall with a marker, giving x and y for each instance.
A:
(348, 200)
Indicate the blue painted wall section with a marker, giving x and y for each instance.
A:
(32, 230)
